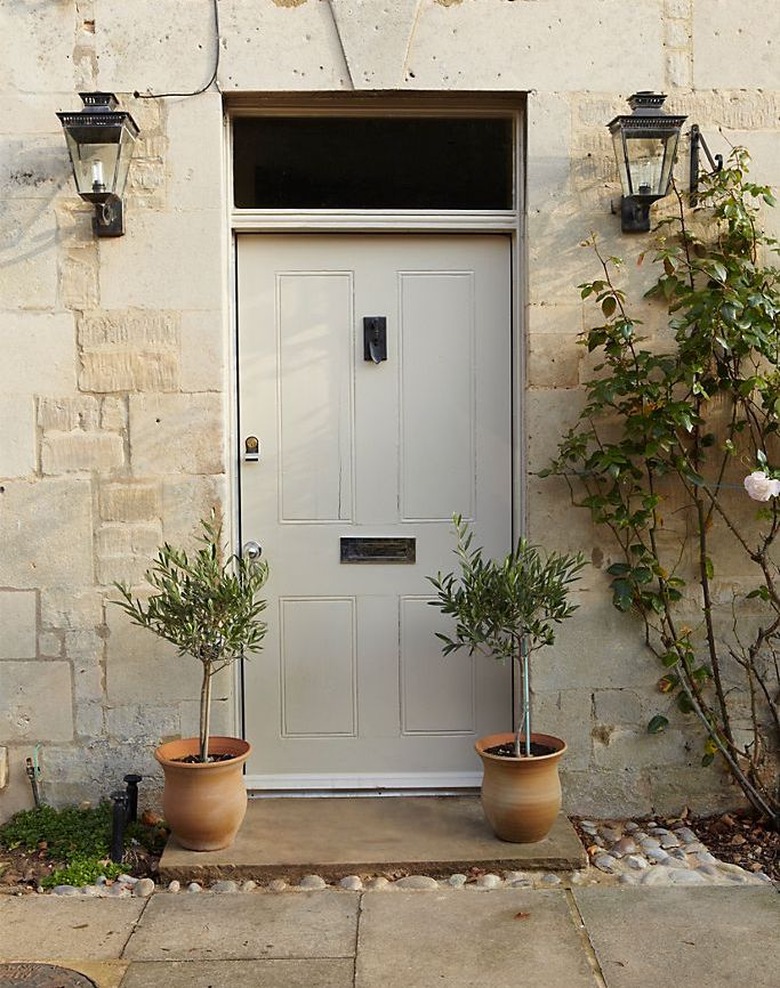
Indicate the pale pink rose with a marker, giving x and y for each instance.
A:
(760, 487)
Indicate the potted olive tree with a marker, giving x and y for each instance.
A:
(206, 604)
(507, 609)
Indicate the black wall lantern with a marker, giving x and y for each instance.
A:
(100, 142)
(645, 144)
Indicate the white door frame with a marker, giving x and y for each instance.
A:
(509, 222)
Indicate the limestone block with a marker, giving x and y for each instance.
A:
(549, 156)
(34, 168)
(678, 8)
(78, 278)
(194, 160)
(129, 351)
(702, 790)
(565, 714)
(176, 434)
(35, 701)
(51, 644)
(598, 648)
(280, 46)
(18, 624)
(17, 794)
(733, 50)
(125, 538)
(71, 609)
(223, 719)
(28, 274)
(111, 372)
(130, 502)
(113, 414)
(375, 37)
(618, 707)
(17, 422)
(24, 337)
(202, 351)
(39, 58)
(141, 668)
(550, 45)
(553, 361)
(679, 68)
(616, 747)
(28, 114)
(93, 769)
(89, 719)
(600, 794)
(678, 33)
(85, 651)
(159, 47)
(68, 414)
(153, 267)
(46, 533)
(185, 501)
(75, 452)
(142, 722)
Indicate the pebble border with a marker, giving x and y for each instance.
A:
(620, 853)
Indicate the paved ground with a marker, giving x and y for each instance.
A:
(596, 937)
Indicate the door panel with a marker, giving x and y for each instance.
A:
(351, 689)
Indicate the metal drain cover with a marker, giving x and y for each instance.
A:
(42, 976)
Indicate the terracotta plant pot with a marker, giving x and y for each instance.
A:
(521, 797)
(204, 802)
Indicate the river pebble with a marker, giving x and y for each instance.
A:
(628, 853)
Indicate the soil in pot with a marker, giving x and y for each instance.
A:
(507, 750)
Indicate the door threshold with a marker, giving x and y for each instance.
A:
(358, 793)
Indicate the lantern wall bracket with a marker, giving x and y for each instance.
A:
(109, 218)
(716, 163)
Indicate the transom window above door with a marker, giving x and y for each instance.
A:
(373, 163)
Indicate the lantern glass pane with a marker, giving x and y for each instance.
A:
(645, 166)
(100, 166)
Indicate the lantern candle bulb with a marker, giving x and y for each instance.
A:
(98, 182)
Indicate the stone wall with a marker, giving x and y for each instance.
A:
(115, 378)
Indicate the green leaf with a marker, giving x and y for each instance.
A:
(608, 306)
(657, 724)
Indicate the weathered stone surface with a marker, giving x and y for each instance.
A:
(183, 433)
(18, 620)
(17, 421)
(732, 51)
(130, 502)
(24, 336)
(38, 520)
(68, 414)
(79, 452)
(35, 702)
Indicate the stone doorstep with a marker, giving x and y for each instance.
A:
(288, 838)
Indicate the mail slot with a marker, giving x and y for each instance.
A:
(378, 550)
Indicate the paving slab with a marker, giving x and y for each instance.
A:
(241, 974)
(52, 928)
(209, 926)
(433, 835)
(505, 938)
(719, 937)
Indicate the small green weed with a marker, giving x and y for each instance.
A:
(63, 834)
(82, 871)
(75, 842)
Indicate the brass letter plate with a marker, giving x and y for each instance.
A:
(378, 550)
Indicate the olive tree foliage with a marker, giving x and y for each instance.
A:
(506, 608)
(206, 604)
(660, 454)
